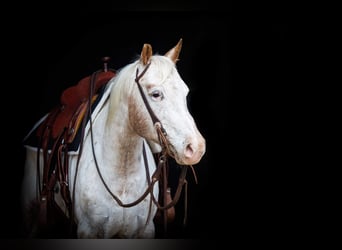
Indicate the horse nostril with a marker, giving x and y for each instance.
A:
(189, 151)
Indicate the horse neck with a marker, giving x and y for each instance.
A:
(122, 146)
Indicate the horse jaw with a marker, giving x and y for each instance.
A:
(155, 147)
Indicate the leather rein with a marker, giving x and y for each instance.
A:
(160, 174)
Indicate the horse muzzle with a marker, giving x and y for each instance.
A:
(192, 152)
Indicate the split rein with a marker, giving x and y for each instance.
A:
(160, 174)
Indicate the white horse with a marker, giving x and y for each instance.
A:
(119, 131)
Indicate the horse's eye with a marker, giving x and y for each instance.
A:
(157, 95)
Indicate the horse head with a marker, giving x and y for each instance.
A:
(165, 93)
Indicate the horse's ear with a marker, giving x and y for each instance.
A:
(173, 53)
(146, 53)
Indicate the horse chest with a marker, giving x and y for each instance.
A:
(97, 209)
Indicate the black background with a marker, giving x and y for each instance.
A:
(236, 66)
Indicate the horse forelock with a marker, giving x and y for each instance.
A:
(164, 68)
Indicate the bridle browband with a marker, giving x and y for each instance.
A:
(160, 174)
